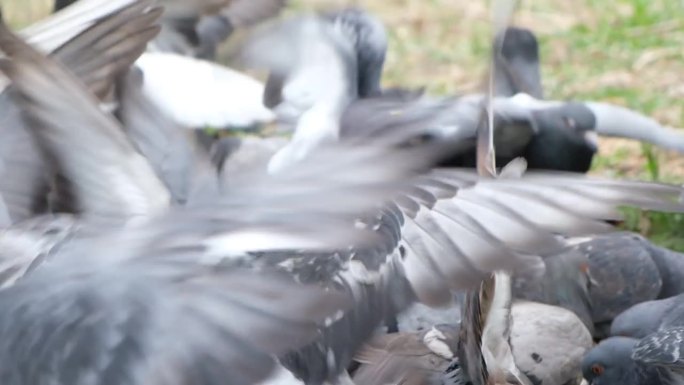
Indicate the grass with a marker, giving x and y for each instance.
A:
(627, 52)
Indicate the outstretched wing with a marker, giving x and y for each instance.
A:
(112, 180)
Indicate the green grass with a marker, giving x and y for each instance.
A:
(627, 52)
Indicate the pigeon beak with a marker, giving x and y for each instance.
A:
(591, 137)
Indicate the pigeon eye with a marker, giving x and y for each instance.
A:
(597, 369)
(570, 122)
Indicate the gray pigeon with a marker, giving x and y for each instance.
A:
(402, 234)
(652, 360)
(627, 269)
(645, 346)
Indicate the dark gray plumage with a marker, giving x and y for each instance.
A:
(516, 64)
(663, 349)
(517, 71)
(647, 317)
(369, 38)
(627, 269)
(651, 351)
(623, 273)
(671, 268)
(568, 126)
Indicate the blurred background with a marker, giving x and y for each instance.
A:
(627, 52)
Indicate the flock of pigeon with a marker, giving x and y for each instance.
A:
(375, 236)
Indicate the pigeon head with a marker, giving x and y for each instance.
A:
(566, 140)
(610, 363)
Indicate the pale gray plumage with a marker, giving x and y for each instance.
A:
(236, 155)
(548, 343)
(618, 121)
(5, 219)
(32, 242)
(420, 317)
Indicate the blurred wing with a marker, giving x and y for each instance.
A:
(399, 121)
(108, 48)
(150, 322)
(104, 46)
(170, 148)
(112, 180)
(236, 155)
(57, 29)
(27, 245)
(612, 120)
(244, 13)
(24, 182)
(449, 231)
(5, 219)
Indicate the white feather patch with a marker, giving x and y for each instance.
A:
(434, 340)
(198, 93)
